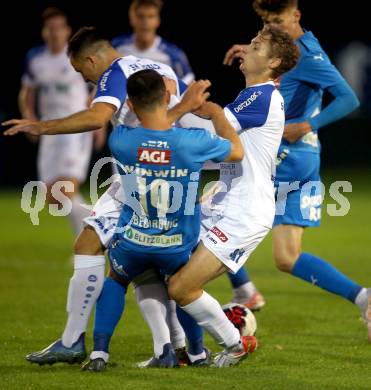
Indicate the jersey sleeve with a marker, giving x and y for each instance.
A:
(319, 70)
(208, 146)
(116, 139)
(111, 88)
(28, 77)
(250, 109)
(182, 86)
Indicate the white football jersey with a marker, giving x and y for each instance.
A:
(61, 91)
(160, 51)
(258, 116)
(247, 187)
(111, 87)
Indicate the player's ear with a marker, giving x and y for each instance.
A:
(131, 16)
(167, 97)
(275, 63)
(130, 104)
(69, 31)
(44, 33)
(297, 15)
(90, 60)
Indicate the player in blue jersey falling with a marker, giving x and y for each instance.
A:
(299, 159)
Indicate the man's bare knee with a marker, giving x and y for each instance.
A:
(176, 289)
(284, 262)
(88, 243)
(286, 246)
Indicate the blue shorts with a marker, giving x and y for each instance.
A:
(128, 264)
(299, 191)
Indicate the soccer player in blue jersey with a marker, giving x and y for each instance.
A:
(161, 165)
(145, 19)
(299, 158)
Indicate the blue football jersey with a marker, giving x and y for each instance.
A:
(160, 175)
(302, 89)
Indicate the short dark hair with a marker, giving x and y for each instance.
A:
(146, 89)
(135, 4)
(274, 6)
(86, 38)
(283, 47)
(52, 12)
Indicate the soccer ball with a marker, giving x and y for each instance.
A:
(241, 317)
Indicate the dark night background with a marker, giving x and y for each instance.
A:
(204, 30)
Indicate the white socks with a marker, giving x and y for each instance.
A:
(177, 334)
(152, 300)
(243, 293)
(78, 213)
(208, 314)
(83, 291)
(99, 354)
(194, 358)
(361, 299)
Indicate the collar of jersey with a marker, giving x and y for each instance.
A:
(271, 82)
(307, 34)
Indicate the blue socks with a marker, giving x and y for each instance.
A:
(193, 332)
(108, 311)
(240, 278)
(317, 271)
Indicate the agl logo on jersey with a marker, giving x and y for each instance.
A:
(154, 156)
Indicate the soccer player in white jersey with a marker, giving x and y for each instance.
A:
(93, 56)
(145, 19)
(245, 208)
(51, 89)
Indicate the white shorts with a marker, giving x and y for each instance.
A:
(106, 213)
(64, 156)
(232, 238)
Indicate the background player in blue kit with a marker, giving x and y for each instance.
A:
(299, 158)
(160, 166)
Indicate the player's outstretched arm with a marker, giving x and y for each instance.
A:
(93, 118)
(223, 128)
(235, 52)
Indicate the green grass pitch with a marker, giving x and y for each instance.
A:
(308, 339)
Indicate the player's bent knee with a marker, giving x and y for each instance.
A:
(285, 261)
(88, 243)
(176, 290)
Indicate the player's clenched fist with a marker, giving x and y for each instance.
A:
(196, 95)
